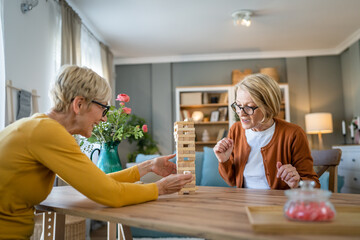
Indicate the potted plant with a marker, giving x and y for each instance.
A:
(110, 133)
(145, 145)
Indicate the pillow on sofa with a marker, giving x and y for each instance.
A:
(210, 172)
(149, 177)
(142, 158)
(324, 181)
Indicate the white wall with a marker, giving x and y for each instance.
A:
(30, 47)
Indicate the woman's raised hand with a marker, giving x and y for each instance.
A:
(288, 174)
(162, 166)
(223, 149)
(173, 183)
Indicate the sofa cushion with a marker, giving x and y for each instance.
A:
(210, 172)
(142, 157)
(324, 181)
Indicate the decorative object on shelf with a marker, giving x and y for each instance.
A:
(197, 116)
(272, 72)
(223, 98)
(319, 123)
(186, 115)
(343, 130)
(221, 134)
(214, 116)
(190, 98)
(237, 75)
(205, 98)
(110, 133)
(242, 17)
(214, 100)
(223, 111)
(206, 119)
(355, 130)
(205, 136)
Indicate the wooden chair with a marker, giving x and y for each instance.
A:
(327, 160)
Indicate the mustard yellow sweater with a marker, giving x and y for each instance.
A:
(32, 151)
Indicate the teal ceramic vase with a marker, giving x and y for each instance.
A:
(108, 160)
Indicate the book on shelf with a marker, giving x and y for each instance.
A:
(225, 133)
(220, 134)
(185, 115)
(223, 98)
(223, 111)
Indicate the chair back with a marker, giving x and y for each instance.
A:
(327, 160)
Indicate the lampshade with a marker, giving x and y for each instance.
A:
(318, 123)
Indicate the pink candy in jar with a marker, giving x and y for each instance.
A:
(308, 204)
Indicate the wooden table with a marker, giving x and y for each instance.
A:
(210, 213)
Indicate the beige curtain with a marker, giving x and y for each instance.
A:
(70, 35)
(108, 68)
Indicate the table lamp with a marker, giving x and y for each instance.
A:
(319, 123)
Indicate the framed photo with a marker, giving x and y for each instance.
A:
(214, 116)
(223, 111)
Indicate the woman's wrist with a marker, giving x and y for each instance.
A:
(145, 167)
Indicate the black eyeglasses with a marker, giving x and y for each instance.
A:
(104, 106)
(247, 110)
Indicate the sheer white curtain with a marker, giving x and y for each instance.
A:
(90, 51)
(2, 69)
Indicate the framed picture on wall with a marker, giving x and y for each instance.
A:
(214, 116)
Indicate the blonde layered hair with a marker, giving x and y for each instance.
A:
(265, 92)
(75, 81)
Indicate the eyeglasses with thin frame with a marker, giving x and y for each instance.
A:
(247, 110)
(107, 108)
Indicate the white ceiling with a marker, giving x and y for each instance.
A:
(140, 31)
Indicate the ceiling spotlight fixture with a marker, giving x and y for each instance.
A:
(242, 17)
(27, 5)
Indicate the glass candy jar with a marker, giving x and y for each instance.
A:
(308, 204)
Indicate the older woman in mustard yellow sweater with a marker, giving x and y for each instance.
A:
(34, 149)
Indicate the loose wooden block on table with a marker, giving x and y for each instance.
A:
(184, 134)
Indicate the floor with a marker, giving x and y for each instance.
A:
(100, 234)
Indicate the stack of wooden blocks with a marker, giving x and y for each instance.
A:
(184, 134)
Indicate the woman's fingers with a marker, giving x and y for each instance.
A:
(288, 174)
(173, 183)
(223, 145)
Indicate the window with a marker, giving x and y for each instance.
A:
(90, 51)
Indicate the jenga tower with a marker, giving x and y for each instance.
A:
(184, 134)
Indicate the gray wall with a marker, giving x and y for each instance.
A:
(326, 95)
(315, 85)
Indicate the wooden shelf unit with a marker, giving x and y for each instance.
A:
(213, 128)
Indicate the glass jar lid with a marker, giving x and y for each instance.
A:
(307, 192)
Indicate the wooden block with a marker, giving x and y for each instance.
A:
(185, 142)
(186, 155)
(182, 169)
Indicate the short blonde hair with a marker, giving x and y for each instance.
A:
(75, 81)
(265, 92)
